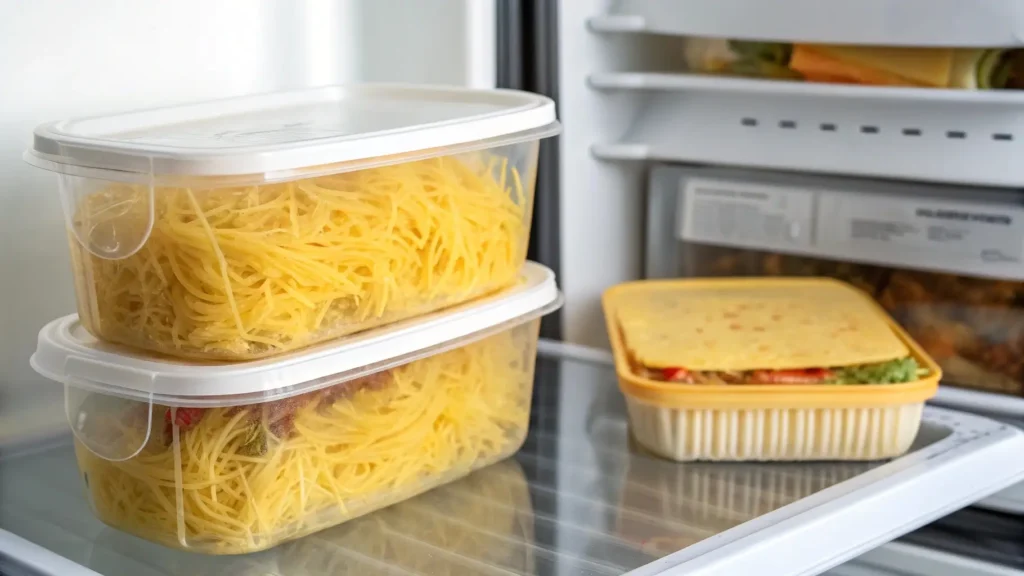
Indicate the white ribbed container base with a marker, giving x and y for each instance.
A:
(781, 434)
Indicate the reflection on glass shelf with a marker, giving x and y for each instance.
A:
(579, 499)
(481, 524)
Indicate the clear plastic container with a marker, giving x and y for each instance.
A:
(973, 327)
(303, 442)
(243, 228)
(763, 421)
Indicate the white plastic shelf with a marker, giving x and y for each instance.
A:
(987, 403)
(978, 23)
(900, 559)
(1010, 500)
(950, 136)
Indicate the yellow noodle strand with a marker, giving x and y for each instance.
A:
(426, 423)
(244, 272)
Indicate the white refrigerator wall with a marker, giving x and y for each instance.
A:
(64, 59)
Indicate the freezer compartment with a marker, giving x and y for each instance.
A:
(945, 263)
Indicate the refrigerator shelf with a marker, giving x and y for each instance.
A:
(1008, 501)
(900, 133)
(878, 22)
(902, 559)
(967, 400)
(999, 406)
(578, 498)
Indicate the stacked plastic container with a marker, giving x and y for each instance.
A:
(295, 308)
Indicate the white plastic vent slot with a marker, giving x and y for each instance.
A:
(752, 122)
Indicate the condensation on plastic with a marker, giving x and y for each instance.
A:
(775, 434)
(769, 422)
(145, 451)
(112, 220)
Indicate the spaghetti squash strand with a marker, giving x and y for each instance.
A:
(241, 479)
(240, 273)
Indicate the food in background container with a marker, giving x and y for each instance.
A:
(234, 458)
(243, 228)
(963, 68)
(765, 369)
(966, 68)
(739, 58)
(723, 261)
(973, 327)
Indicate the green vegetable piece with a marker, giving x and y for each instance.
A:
(891, 372)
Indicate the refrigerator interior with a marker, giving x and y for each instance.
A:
(625, 100)
(628, 101)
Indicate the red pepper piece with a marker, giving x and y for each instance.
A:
(676, 374)
(804, 376)
(184, 418)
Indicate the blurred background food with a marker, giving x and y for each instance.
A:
(965, 68)
(974, 327)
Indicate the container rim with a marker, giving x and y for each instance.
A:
(66, 353)
(270, 142)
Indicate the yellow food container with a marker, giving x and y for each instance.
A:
(767, 421)
(243, 228)
(229, 458)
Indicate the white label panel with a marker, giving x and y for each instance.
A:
(910, 231)
(922, 232)
(741, 214)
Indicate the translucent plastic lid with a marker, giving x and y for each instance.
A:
(67, 353)
(281, 133)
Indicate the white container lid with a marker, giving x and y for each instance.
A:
(67, 353)
(285, 134)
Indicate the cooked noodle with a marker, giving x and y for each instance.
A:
(234, 480)
(243, 272)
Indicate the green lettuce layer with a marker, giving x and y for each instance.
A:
(891, 372)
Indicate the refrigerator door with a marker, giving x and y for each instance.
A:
(579, 498)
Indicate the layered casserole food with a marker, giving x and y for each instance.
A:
(973, 327)
(766, 369)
